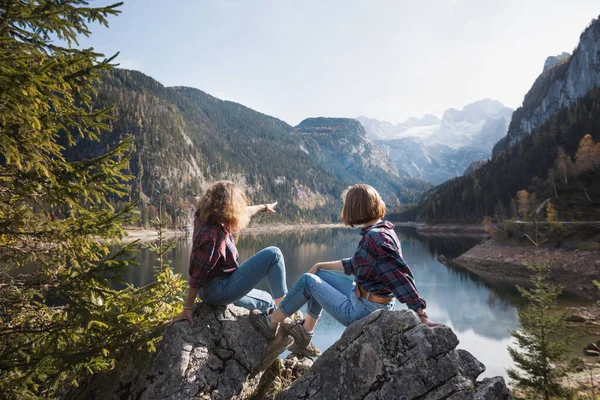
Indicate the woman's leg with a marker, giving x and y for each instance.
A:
(339, 282)
(319, 294)
(238, 287)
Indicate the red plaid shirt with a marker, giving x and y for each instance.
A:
(379, 267)
(213, 254)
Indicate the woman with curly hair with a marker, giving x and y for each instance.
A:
(215, 274)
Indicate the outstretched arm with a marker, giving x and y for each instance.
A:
(269, 208)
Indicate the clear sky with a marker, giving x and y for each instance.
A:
(388, 60)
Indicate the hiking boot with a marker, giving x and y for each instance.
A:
(289, 322)
(302, 341)
(309, 351)
(260, 321)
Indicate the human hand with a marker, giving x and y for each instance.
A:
(430, 324)
(315, 268)
(186, 314)
(425, 319)
(270, 208)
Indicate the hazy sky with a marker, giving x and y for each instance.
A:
(384, 59)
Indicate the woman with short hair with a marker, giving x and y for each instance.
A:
(378, 267)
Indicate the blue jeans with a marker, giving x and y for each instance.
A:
(238, 287)
(330, 291)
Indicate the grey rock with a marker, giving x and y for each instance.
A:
(221, 357)
(391, 355)
(281, 374)
(551, 61)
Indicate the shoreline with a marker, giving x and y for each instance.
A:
(442, 230)
(573, 269)
(452, 230)
(142, 234)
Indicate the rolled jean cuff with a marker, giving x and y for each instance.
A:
(313, 315)
(283, 311)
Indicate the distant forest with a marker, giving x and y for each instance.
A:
(184, 139)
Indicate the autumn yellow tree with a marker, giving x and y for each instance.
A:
(587, 156)
(523, 203)
(551, 213)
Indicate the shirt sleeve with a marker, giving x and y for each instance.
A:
(205, 256)
(348, 267)
(396, 275)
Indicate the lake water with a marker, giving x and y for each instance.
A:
(480, 314)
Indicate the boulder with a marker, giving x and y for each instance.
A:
(386, 355)
(221, 357)
(390, 355)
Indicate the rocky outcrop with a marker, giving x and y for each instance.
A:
(551, 61)
(390, 355)
(565, 81)
(280, 375)
(387, 355)
(221, 357)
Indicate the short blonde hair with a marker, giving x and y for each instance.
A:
(224, 203)
(362, 204)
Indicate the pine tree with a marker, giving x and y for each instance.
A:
(543, 341)
(61, 317)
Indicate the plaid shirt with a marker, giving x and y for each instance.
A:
(379, 267)
(213, 254)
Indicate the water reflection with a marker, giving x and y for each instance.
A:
(480, 314)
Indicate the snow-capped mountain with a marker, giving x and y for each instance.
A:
(437, 150)
(412, 127)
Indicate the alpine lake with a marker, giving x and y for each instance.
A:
(482, 314)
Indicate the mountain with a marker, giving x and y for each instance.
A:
(432, 162)
(437, 150)
(551, 61)
(475, 165)
(559, 86)
(185, 138)
(552, 150)
(479, 124)
(384, 130)
(344, 150)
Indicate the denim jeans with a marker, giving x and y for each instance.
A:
(333, 292)
(238, 287)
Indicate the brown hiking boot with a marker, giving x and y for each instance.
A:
(302, 341)
(260, 321)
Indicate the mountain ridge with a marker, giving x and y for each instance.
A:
(557, 87)
(185, 138)
(437, 153)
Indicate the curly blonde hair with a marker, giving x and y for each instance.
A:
(362, 204)
(223, 203)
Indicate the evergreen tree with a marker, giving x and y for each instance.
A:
(60, 314)
(542, 339)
